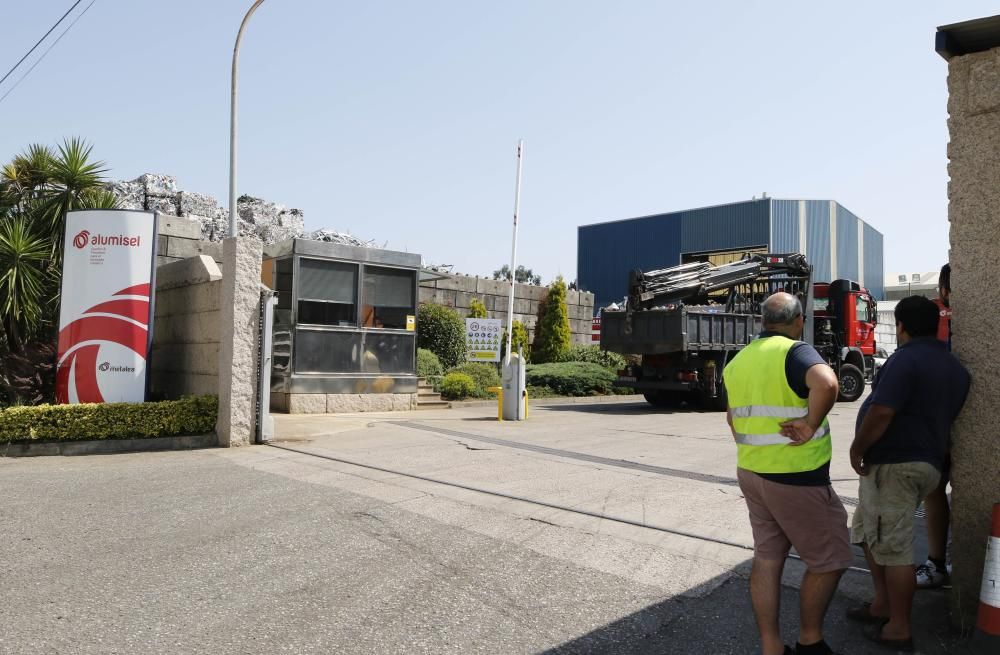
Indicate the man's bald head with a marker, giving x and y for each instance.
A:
(781, 313)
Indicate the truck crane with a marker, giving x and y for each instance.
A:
(682, 325)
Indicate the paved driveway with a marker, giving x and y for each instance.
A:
(589, 528)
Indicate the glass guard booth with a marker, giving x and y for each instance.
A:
(345, 319)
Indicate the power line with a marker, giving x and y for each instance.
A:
(40, 41)
(47, 50)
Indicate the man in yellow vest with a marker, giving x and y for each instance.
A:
(780, 391)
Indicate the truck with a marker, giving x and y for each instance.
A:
(680, 326)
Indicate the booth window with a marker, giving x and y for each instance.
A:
(328, 293)
(388, 297)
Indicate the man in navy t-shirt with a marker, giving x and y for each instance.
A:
(899, 450)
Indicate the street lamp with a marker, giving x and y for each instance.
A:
(233, 227)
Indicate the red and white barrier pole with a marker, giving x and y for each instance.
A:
(987, 636)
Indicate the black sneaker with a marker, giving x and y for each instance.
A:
(819, 648)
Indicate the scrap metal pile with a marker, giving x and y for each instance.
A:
(342, 238)
(747, 282)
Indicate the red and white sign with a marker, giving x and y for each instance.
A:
(106, 306)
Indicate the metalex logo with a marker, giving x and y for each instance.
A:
(106, 366)
(84, 237)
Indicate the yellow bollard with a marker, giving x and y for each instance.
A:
(499, 392)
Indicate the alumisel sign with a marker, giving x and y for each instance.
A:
(106, 306)
(482, 339)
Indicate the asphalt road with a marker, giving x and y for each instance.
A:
(264, 550)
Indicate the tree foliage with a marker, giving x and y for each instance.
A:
(442, 331)
(552, 340)
(477, 308)
(522, 275)
(37, 188)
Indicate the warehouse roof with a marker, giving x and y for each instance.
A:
(967, 37)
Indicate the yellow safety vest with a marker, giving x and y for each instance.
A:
(760, 399)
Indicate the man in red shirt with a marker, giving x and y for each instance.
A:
(934, 572)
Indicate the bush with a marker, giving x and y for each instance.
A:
(553, 337)
(572, 378)
(428, 364)
(594, 355)
(188, 416)
(442, 331)
(457, 386)
(519, 342)
(483, 376)
(477, 308)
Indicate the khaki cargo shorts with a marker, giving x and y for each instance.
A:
(810, 518)
(889, 495)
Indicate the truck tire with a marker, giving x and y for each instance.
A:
(852, 383)
(717, 403)
(664, 399)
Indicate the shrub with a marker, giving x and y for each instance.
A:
(594, 355)
(483, 375)
(428, 364)
(519, 342)
(188, 416)
(571, 378)
(553, 338)
(477, 308)
(457, 386)
(442, 331)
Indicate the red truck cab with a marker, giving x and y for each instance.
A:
(852, 313)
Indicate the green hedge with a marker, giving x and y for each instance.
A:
(457, 386)
(483, 375)
(594, 355)
(188, 416)
(428, 364)
(572, 378)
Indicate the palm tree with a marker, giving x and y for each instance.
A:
(37, 188)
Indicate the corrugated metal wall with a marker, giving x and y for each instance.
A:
(847, 244)
(740, 225)
(874, 263)
(784, 226)
(818, 238)
(608, 251)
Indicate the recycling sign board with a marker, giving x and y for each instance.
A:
(482, 339)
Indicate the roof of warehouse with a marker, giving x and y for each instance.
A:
(967, 37)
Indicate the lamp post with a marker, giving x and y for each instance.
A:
(233, 226)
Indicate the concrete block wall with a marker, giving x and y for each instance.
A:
(974, 213)
(186, 336)
(179, 238)
(458, 291)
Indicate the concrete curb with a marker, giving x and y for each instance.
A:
(542, 402)
(106, 446)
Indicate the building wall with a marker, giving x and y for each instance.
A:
(185, 355)
(974, 213)
(458, 291)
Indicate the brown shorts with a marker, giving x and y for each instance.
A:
(810, 518)
(889, 495)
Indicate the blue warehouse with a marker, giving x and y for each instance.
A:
(835, 241)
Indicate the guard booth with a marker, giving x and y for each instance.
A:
(344, 337)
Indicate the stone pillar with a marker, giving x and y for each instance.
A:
(239, 311)
(974, 213)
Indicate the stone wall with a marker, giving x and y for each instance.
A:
(340, 403)
(974, 213)
(458, 291)
(185, 355)
(181, 238)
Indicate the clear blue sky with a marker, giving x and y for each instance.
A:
(397, 120)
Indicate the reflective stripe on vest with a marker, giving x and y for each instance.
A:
(776, 439)
(760, 400)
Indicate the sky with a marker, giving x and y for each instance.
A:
(398, 121)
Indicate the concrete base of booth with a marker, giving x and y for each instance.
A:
(342, 403)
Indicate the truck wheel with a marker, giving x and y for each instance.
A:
(852, 383)
(717, 403)
(663, 399)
